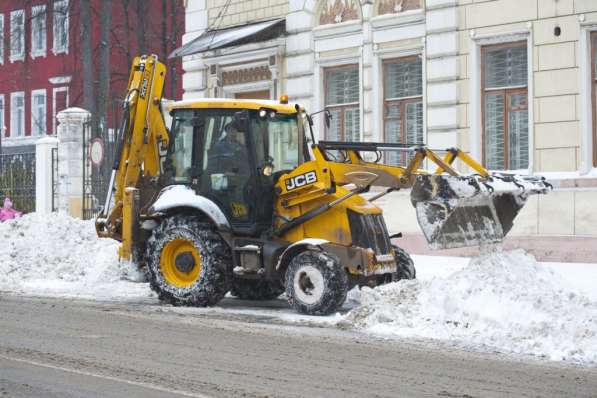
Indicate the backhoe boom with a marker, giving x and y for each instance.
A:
(142, 138)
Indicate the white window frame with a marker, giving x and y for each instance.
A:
(319, 94)
(13, 114)
(54, 92)
(38, 16)
(475, 111)
(380, 56)
(2, 117)
(56, 47)
(17, 56)
(35, 131)
(1, 39)
(344, 105)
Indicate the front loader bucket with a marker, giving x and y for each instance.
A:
(456, 211)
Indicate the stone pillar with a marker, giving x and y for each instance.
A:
(71, 122)
(43, 174)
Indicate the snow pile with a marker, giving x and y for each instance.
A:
(504, 301)
(57, 254)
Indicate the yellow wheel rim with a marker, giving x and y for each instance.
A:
(182, 274)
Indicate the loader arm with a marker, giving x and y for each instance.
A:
(143, 136)
(453, 210)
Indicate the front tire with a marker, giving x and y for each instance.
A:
(405, 266)
(188, 262)
(316, 283)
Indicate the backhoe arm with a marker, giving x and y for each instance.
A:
(142, 137)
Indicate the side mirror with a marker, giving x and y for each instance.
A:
(309, 120)
(328, 118)
(327, 115)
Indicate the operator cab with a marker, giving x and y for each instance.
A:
(233, 154)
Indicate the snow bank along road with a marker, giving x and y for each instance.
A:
(502, 301)
(55, 347)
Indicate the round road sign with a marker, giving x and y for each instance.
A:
(96, 151)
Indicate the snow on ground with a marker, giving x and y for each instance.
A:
(502, 301)
(60, 256)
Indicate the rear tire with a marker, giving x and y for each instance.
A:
(316, 283)
(405, 266)
(256, 289)
(205, 280)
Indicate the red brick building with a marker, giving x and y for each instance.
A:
(41, 58)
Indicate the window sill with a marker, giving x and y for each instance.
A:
(40, 54)
(59, 51)
(398, 19)
(17, 58)
(571, 179)
(335, 30)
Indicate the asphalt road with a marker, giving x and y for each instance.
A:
(65, 348)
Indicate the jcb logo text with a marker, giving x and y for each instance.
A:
(301, 180)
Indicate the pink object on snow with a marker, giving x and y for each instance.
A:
(7, 212)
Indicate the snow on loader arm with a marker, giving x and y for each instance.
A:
(458, 211)
(453, 210)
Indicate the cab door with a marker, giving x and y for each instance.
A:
(277, 142)
(227, 175)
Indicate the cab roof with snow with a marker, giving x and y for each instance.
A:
(226, 103)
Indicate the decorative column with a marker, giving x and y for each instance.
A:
(71, 123)
(43, 174)
(442, 73)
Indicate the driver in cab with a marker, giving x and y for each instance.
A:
(229, 154)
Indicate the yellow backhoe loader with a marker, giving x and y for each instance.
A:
(237, 196)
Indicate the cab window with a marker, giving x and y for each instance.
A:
(180, 159)
(276, 140)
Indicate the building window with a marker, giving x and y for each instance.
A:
(403, 104)
(38, 112)
(17, 35)
(505, 106)
(1, 38)
(17, 114)
(38, 31)
(60, 27)
(2, 122)
(341, 85)
(59, 103)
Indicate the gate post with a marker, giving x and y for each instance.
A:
(43, 174)
(71, 123)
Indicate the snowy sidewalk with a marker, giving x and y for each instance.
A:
(502, 301)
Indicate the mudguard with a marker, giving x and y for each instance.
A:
(181, 196)
(291, 250)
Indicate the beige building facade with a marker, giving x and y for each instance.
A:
(510, 81)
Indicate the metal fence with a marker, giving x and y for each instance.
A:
(96, 176)
(17, 180)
